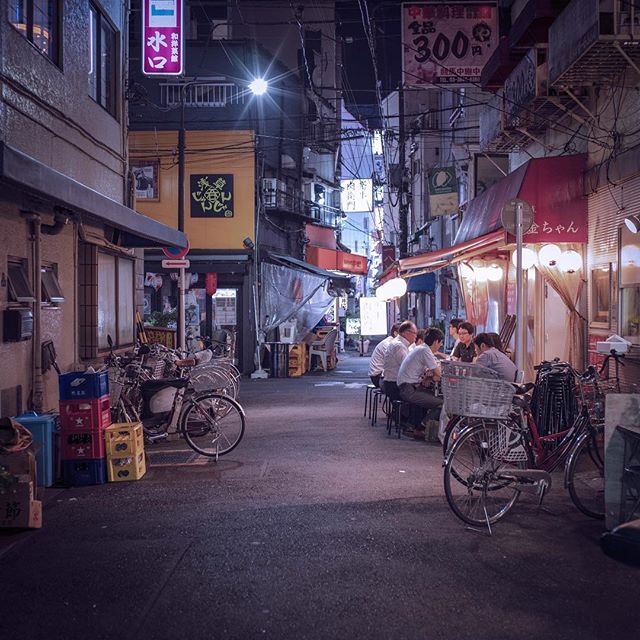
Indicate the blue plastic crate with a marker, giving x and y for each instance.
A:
(81, 473)
(83, 386)
(44, 430)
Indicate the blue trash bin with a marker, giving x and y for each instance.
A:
(43, 427)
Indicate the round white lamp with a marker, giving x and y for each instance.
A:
(549, 255)
(494, 273)
(466, 271)
(529, 258)
(570, 261)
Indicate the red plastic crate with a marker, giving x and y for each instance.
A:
(85, 415)
(81, 445)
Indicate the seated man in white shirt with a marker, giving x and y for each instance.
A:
(396, 352)
(418, 372)
(376, 369)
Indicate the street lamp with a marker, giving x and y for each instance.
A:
(258, 86)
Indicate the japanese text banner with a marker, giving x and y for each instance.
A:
(447, 42)
(162, 37)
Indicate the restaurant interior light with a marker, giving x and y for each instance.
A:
(466, 271)
(633, 223)
(570, 261)
(529, 258)
(481, 274)
(392, 289)
(549, 255)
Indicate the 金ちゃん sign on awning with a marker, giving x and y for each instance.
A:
(162, 38)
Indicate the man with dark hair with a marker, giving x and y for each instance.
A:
(396, 353)
(490, 357)
(465, 351)
(454, 323)
(419, 371)
(376, 363)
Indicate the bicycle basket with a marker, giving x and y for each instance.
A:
(476, 397)
(594, 395)
(506, 444)
(116, 384)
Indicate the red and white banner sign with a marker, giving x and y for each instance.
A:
(447, 42)
(162, 38)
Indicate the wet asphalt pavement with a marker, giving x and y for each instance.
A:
(316, 526)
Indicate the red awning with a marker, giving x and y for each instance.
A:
(434, 260)
(552, 186)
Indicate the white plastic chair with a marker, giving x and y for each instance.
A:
(323, 347)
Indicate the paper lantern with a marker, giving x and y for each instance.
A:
(570, 261)
(494, 273)
(529, 258)
(549, 255)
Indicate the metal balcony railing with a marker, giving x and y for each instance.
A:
(205, 94)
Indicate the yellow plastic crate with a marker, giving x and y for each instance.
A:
(127, 468)
(124, 439)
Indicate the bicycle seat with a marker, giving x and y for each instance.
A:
(521, 389)
(152, 386)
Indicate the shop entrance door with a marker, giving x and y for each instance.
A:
(223, 316)
(555, 325)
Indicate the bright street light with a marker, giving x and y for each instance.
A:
(258, 86)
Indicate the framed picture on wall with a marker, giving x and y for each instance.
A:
(146, 176)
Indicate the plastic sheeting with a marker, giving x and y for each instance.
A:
(292, 294)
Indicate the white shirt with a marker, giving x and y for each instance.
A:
(377, 357)
(415, 364)
(396, 352)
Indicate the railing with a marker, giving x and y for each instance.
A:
(205, 94)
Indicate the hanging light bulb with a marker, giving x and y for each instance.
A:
(570, 261)
(466, 271)
(529, 258)
(494, 273)
(549, 255)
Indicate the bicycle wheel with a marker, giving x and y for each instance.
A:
(213, 424)
(476, 484)
(585, 474)
(455, 425)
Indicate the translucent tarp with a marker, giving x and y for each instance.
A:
(292, 294)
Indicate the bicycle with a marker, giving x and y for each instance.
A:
(500, 453)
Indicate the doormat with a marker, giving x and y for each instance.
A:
(175, 458)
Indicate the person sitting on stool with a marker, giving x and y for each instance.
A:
(377, 357)
(419, 372)
(396, 352)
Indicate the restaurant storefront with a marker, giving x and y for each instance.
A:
(554, 258)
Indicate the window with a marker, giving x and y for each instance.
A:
(51, 291)
(19, 288)
(39, 22)
(103, 62)
(115, 300)
(629, 274)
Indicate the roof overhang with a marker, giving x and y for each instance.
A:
(341, 281)
(35, 178)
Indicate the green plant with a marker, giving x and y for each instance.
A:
(161, 319)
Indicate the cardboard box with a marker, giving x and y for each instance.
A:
(18, 509)
(22, 465)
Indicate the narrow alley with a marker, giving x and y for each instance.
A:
(316, 526)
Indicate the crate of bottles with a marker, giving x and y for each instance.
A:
(81, 473)
(124, 439)
(79, 385)
(124, 468)
(85, 415)
(81, 445)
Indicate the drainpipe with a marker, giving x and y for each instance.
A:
(37, 228)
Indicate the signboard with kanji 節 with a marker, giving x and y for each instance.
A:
(211, 195)
(447, 42)
(162, 38)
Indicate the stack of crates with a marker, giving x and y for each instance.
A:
(85, 412)
(125, 451)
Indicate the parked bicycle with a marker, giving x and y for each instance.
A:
(211, 421)
(500, 451)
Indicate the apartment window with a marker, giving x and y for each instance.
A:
(103, 62)
(39, 22)
(51, 291)
(116, 308)
(20, 289)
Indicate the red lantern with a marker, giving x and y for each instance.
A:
(211, 283)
